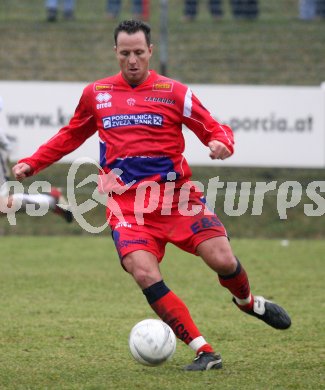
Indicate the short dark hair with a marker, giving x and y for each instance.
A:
(131, 27)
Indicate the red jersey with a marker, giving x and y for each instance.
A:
(139, 128)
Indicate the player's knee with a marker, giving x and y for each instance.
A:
(223, 260)
(226, 263)
(141, 277)
(145, 278)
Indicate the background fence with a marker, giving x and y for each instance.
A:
(276, 48)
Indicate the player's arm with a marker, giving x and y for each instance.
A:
(21, 171)
(217, 136)
(81, 126)
(218, 150)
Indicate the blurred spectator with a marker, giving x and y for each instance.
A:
(191, 8)
(244, 9)
(307, 9)
(241, 9)
(114, 7)
(52, 9)
(311, 9)
(320, 9)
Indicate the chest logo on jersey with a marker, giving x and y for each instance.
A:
(163, 86)
(131, 102)
(103, 100)
(144, 119)
(159, 100)
(103, 87)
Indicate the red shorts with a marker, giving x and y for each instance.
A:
(183, 223)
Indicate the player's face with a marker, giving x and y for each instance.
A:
(133, 55)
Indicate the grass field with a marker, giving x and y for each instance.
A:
(67, 308)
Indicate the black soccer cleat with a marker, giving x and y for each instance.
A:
(205, 361)
(62, 206)
(269, 312)
(65, 212)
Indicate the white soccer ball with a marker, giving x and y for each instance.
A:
(152, 342)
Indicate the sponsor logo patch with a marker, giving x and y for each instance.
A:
(146, 119)
(103, 97)
(159, 100)
(163, 86)
(127, 243)
(103, 100)
(103, 87)
(205, 223)
(99, 106)
(123, 224)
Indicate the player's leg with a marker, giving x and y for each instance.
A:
(205, 235)
(144, 268)
(53, 200)
(140, 253)
(61, 206)
(217, 254)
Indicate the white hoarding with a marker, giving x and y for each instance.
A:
(34, 111)
(273, 126)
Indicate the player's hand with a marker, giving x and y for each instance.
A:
(21, 171)
(218, 150)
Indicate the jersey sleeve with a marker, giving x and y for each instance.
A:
(81, 126)
(198, 119)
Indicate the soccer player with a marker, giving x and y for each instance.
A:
(138, 115)
(19, 202)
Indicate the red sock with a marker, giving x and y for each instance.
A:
(238, 284)
(174, 312)
(205, 348)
